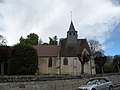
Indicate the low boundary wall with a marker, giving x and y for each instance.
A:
(59, 82)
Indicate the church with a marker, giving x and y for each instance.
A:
(62, 58)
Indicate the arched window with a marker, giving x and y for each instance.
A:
(50, 62)
(73, 33)
(65, 61)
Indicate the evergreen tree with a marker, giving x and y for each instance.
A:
(23, 61)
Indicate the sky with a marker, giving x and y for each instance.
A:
(93, 19)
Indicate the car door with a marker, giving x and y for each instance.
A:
(99, 85)
(103, 85)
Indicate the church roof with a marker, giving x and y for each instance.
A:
(47, 50)
(71, 28)
(82, 43)
(71, 50)
(64, 49)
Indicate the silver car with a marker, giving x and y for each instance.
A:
(97, 84)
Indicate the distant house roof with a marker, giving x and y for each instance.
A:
(71, 50)
(47, 50)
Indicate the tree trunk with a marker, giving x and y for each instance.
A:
(102, 70)
(118, 68)
(91, 65)
(82, 68)
(2, 68)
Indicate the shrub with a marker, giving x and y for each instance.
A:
(110, 68)
(23, 61)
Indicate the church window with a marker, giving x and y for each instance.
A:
(65, 61)
(50, 62)
(70, 34)
(73, 33)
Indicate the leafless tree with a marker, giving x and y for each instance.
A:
(2, 41)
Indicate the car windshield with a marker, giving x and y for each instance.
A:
(91, 82)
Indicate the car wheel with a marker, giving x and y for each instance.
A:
(110, 88)
(93, 89)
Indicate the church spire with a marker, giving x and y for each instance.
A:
(72, 34)
(71, 28)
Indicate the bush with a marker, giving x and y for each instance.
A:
(23, 61)
(110, 68)
(98, 70)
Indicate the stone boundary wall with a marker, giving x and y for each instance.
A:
(50, 82)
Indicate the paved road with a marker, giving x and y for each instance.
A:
(117, 88)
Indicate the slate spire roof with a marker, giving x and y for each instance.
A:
(71, 28)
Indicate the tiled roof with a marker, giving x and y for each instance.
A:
(82, 43)
(66, 50)
(70, 50)
(47, 50)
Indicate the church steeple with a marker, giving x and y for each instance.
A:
(72, 36)
(71, 28)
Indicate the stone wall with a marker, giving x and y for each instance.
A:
(61, 84)
(43, 66)
(73, 67)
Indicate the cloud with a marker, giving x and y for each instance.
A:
(22, 17)
(115, 2)
(93, 19)
(100, 20)
(1, 1)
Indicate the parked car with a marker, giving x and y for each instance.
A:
(97, 84)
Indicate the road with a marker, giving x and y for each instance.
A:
(117, 88)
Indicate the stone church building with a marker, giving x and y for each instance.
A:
(62, 58)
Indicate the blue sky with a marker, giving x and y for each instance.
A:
(113, 42)
(93, 19)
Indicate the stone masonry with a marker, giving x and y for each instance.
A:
(67, 84)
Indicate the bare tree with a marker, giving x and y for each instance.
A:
(2, 41)
(96, 51)
(96, 48)
(83, 58)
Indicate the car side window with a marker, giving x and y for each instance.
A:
(102, 81)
